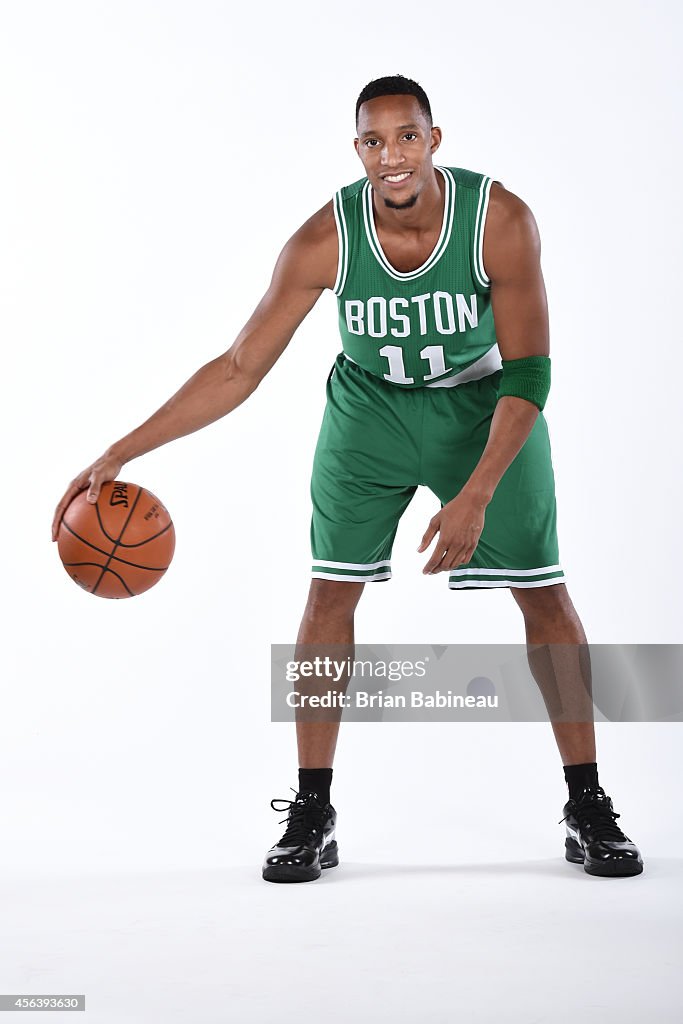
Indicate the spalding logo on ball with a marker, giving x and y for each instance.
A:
(118, 546)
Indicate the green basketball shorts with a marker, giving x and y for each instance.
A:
(378, 443)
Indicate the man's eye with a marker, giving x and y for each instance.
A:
(410, 136)
(370, 143)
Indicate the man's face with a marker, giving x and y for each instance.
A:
(395, 144)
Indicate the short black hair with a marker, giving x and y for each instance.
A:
(395, 85)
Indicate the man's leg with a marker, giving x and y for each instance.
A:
(327, 619)
(560, 663)
(550, 618)
(309, 844)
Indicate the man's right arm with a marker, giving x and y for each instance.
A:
(306, 266)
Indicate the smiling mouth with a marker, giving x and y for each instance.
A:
(397, 179)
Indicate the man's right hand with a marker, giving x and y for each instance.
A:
(105, 468)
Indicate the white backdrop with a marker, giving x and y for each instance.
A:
(155, 158)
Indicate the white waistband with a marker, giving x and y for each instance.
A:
(489, 363)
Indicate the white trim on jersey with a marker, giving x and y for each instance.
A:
(343, 240)
(350, 579)
(479, 225)
(352, 565)
(439, 248)
(488, 364)
(504, 583)
(505, 572)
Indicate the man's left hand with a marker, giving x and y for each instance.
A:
(459, 525)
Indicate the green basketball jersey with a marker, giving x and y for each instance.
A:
(432, 326)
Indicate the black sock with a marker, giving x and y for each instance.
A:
(316, 780)
(579, 777)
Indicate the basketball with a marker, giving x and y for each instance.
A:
(119, 546)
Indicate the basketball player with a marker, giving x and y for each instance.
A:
(442, 381)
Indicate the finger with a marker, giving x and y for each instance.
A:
(435, 560)
(56, 520)
(429, 536)
(464, 557)
(461, 554)
(454, 557)
(77, 485)
(96, 481)
(62, 507)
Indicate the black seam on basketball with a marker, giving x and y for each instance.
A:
(116, 558)
(99, 517)
(132, 509)
(123, 561)
(97, 566)
(119, 578)
(139, 543)
(84, 541)
(116, 543)
(136, 565)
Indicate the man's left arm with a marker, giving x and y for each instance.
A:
(512, 258)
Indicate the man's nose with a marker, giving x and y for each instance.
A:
(391, 155)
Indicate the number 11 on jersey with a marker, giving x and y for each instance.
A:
(397, 371)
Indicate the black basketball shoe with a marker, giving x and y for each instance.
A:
(308, 844)
(594, 840)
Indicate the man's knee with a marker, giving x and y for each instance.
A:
(539, 600)
(333, 599)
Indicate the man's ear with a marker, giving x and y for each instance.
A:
(436, 139)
